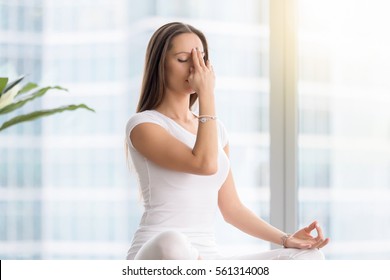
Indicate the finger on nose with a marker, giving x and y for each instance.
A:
(195, 59)
(200, 57)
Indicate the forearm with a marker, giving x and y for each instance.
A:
(248, 222)
(202, 80)
(206, 144)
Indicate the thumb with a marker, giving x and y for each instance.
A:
(191, 72)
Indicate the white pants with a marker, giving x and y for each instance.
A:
(173, 245)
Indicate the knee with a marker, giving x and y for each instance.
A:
(310, 254)
(318, 255)
(173, 245)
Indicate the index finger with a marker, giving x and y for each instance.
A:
(312, 226)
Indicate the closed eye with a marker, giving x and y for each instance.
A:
(182, 60)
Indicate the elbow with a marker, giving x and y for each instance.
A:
(224, 212)
(204, 164)
(231, 211)
(208, 168)
(227, 219)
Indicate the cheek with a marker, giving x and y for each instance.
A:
(176, 75)
(183, 70)
(177, 68)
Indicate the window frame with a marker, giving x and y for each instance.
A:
(283, 115)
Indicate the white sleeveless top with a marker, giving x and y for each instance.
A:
(175, 200)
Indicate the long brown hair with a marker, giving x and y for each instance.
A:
(153, 83)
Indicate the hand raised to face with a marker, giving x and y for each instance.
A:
(202, 77)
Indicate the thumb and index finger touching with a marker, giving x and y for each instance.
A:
(321, 241)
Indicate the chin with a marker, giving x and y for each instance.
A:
(189, 90)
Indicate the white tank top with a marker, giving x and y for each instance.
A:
(176, 200)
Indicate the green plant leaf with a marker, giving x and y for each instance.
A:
(3, 84)
(27, 88)
(13, 83)
(15, 105)
(42, 113)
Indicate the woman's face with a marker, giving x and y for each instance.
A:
(179, 61)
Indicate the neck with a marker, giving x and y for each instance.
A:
(176, 108)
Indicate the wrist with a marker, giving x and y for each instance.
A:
(207, 106)
(205, 93)
(206, 118)
(284, 239)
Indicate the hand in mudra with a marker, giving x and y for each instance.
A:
(302, 239)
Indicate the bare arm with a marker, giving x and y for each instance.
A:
(238, 215)
(156, 144)
(202, 80)
(235, 213)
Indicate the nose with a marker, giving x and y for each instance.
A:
(191, 62)
(190, 66)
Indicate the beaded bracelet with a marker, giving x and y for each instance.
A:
(284, 239)
(205, 118)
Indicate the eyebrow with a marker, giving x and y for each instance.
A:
(186, 53)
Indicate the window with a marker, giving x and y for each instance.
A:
(74, 177)
(343, 90)
(76, 159)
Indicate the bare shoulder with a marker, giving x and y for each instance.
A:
(147, 133)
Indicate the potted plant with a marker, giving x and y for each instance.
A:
(13, 97)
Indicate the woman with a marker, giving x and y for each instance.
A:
(181, 160)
